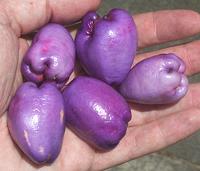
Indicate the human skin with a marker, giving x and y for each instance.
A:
(159, 79)
(106, 46)
(96, 112)
(51, 56)
(36, 121)
(152, 128)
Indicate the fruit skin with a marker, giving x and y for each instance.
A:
(51, 55)
(96, 112)
(36, 121)
(106, 46)
(157, 80)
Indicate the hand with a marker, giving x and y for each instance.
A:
(151, 128)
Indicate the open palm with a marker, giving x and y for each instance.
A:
(151, 127)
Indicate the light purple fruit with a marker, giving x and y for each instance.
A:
(106, 46)
(36, 121)
(96, 112)
(51, 56)
(156, 80)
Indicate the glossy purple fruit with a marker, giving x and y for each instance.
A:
(96, 112)
(106, 46)
(51, 55)
(36, 121)
(156, 80)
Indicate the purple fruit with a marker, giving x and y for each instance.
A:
(106, 46)
(96, 112)
(36, 121)
(51, 55)
(156, 80)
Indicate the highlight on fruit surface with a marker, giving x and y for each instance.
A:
(36, 121)
(51, 55)
(96, 112)
(156, 80)
(106, 46)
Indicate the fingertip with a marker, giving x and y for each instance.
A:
(75, 10)
(166, 25)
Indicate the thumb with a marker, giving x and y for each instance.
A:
(25, 16)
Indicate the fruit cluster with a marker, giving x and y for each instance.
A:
(93, 106)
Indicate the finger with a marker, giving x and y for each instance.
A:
(143, 114)
(151, 137)
(188, 52)
(27, 15)
(8, 56)
(163, 26)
